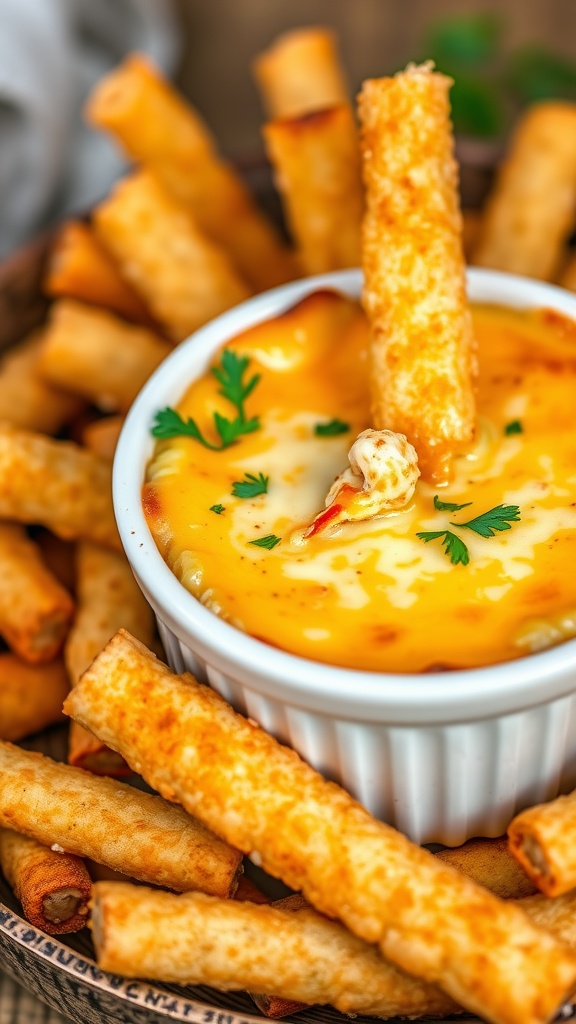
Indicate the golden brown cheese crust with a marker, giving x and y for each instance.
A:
(427, 918)
(415, 289)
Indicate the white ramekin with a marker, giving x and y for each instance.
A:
(444, 756)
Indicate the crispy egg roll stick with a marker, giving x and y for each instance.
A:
(415, 288)
(133, 832)
(56, 484)
(35, 609)
(300, 73)
(426, 917)
(490, 863)
(542, 840)
(316, 159)
(53, 888)
(93, 353)
(108, 598)
(27, 400)
(31, 696)
(185, 278)
(297, 955)
(157, 128)
(101, 436)
(79, 268)
(531, 210)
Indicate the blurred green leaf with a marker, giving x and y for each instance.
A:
(478, 107)
(537, 74)
(463, 42)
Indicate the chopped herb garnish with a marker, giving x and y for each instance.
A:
(453, 546)
(331, 429)
(514, 427)
(168, 423)
(496, 520)
(218, 509)
(251, 486)
(448, 506)
(269, 542)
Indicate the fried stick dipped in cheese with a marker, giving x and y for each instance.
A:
(422, 349)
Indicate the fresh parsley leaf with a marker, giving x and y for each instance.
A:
(230, 375)
(268, 542)
(218, 509)
(331, 429)
(514, 427)
(251, 487)
(453, 546)
(448, 506)
(496, 520)
(168, 423)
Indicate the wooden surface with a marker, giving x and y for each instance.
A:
(376, 37)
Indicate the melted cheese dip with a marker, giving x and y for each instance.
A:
(372, 595)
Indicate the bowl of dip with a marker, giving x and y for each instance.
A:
(434, 678)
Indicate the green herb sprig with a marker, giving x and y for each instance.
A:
(231, 376)
(251, 486)
(496, 520)
(218, 509)
(332, 428)
(268, 542)
(514, 427)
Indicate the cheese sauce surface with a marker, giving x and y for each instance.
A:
(372, 595)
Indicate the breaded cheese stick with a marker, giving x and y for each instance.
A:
(300, 73)
(532, 208)
(415, 289)
(108, 598)
(93, 353)
(184, 277)
(26, 399)
(101, 436)
(490, 863)
(156, 127)
(296, 955)
(56, 484)
(53, 888)
(316, 159)
(35, 609)
(542, 840)
(427, 918)
(79, 268)
(133, 832)
(31, 696)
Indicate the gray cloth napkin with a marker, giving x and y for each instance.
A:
(20, 1007)
(51, 53)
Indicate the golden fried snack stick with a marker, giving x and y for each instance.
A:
(185, 278)
(189, 940)
(108, 598)
(490, 863)
(53, 888)
(60, 557)
(532, 208)
(426, 917)
(568, 275)
(301, 955)
(160, 130)
(93, 353)
(56, 484)
(31, 696)
(26, 399)
(541, 838)
(79, 268)
(133, 832)
(415, 288)
(35, 609)
(316, 159)
(300, 73)
(101, 436)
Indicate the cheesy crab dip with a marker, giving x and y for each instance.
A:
(378, 570)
